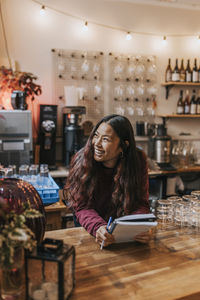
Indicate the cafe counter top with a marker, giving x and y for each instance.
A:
(167, 268)
(62, 171)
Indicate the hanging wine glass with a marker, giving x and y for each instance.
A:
(61, 67)
(85, 69)
(97, 91)
(152, 90)
(96, 70)
(119, 110)
(118, 70)
(140, 90)
(118, 92)
(73, 70)
(130, 109)
(130, 70)
(130, 91)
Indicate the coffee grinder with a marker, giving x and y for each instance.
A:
(47, 135)
(72, 131)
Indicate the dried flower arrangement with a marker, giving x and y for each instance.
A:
(15, 80)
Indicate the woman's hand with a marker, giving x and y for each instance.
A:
(103, 235)
(144, 237)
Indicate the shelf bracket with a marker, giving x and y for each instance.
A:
(164, 120)
(168, 87)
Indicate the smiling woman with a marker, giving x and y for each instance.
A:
(108, 178)
(106, 145)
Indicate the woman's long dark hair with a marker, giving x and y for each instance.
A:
(81, 181)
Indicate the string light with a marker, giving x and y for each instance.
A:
(85, 26)
(128, 36)
(42, 10)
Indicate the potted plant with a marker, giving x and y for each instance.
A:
(16, 80)
(15, 236)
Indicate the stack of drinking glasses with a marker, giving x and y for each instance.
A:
(183, 212)
(37, 175)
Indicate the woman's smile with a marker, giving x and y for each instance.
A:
(106, 145)
(98, 152)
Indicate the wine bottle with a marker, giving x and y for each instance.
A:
(195, 72)
(188, 72)
(187, 103)
(180, 104)
(193, 104)
(199, 73)
(176, 72)
(182, 72)
(168, 72)
(198, 105)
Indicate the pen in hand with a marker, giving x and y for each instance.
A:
(107, 228)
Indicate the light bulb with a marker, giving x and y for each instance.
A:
(128, 36)
(42, 10)
(85, 26)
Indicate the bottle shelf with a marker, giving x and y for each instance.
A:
(170, 84)
(175, 116)
(179, 116)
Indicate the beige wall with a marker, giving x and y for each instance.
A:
(31, 38)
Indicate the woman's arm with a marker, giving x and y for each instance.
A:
(89, 219)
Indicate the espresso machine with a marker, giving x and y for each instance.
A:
(16, 145)
(160, 147)
(73, 135)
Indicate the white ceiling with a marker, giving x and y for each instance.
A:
(159, 17)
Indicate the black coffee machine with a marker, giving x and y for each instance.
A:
(160, 147)
(73, 137)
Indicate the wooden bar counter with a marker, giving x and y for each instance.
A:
(167, 268)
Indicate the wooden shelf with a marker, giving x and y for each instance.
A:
(180, 83)
(170, 84)
(179, 116)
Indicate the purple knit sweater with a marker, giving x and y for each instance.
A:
(92, 218)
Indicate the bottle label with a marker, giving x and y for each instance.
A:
(198, 109)
(168, 76)
(188, 77)
(175, 76)
(182, 77)
(193, 109)
(187, 109)
(195, 76)
(179, 110)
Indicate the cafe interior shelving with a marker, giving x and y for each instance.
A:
(171, 84)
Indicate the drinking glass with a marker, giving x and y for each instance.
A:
(14, 170)
(6, 172)
(43, 178)
(174, 200)
(23, 171)
(164, 210)
(189, 198)
(33, 172)
(195, 215)
(196, 193)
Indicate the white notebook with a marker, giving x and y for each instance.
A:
(126, 228)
